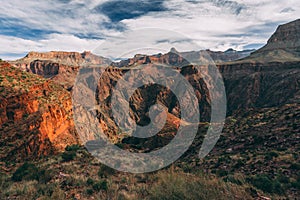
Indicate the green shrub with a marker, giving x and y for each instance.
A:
(46, 190)
(295, 166)
(239, 164)
(24, 76)
(105, 171)
(296, 184)
(258, 139)
(222, 173)
(27, 171)
(44, 176)
(90, 181)
(68, 155)
(9, 78)
(266, 184)
(25, 116)
(89, 191)
(73, 147)
(271, 155)
(232, 179)
(283, 179)
(101, 185)
(69, 182)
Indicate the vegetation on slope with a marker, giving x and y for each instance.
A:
(82, 177)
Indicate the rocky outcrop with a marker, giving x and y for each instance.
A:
(66, 58)
(36, 115)
(283, 46)
(269, 77)
(286, 37)
(60, 66)
(44, 68)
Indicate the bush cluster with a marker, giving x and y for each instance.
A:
(29, 171)
(70, 152)
(266, 184)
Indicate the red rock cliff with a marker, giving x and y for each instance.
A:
(35, 115)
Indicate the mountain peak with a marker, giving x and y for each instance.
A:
(283, 46)
(287, 36)
(173, 50)
(230, 50)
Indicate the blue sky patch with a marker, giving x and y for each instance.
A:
(13, 27)
(119, 10)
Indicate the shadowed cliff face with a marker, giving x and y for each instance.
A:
(269, 77)
(257, 85)
(35, 115)
(146, 96)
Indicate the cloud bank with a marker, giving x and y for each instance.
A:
(77, 25)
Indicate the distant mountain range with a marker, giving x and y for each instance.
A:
(87, 58)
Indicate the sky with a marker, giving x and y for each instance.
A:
(114, 28)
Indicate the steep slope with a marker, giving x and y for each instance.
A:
(283, 46)
(286, 38)
(269, 76)
(35, 115)
(257, 85)
(261, 145)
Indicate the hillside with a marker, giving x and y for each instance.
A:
(283, 46)
(35, 115)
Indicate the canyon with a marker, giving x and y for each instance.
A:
(43, 111)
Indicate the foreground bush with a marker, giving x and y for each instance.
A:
(68, 155)
(27, 171)
(105, 171)
(266, 184)
(73, 147)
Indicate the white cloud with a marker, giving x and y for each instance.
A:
(220, 27)
(73, 18)
(214, 24)
(53, 42)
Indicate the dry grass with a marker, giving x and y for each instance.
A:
(179, 185)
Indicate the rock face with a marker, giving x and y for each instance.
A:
(283, 46)
(60, 66)
(258, 85)
(148, 95)
(269, 76)
(36, 115)
(66, 58)
(286, 37)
